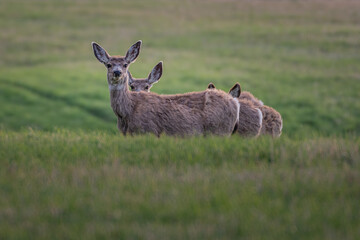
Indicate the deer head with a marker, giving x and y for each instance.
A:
(117, 66)
(144, 84)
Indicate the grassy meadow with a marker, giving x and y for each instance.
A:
(67, 173)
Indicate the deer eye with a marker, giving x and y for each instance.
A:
(125, 65)
(108, 65)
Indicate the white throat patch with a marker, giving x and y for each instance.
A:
(117, 87)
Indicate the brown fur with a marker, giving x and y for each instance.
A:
(248, 96)
(272, 121)
(193, 113)
(250, 117)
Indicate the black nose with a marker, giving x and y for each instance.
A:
(117, 73)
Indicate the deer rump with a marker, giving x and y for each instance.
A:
(206, 112)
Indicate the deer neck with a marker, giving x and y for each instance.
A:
(120, 98)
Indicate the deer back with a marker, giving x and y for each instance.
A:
(250, 97)
(183, 114)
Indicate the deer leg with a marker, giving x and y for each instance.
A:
(122, 125)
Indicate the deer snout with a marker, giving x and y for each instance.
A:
(117, 73)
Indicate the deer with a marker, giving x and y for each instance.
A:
(272, 122)
(193, 113)
(141, 84)
(250, 116)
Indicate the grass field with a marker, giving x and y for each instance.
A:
(66, 172)
(70, 185)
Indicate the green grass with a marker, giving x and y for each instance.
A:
(67, 173)
(95, 185)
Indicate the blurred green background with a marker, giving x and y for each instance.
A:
(300, 57)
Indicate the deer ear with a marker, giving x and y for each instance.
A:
(100, 53)
(131, 79)
(155, 74)
(211, 86)
(133, 52)
(235, 91)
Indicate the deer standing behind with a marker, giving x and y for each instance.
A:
(205, 112)
(272, 122)
(141, 84)
(250, 117)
